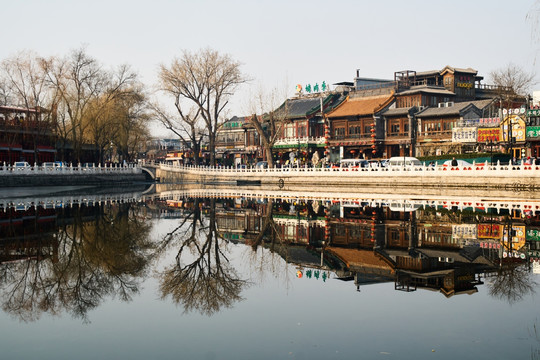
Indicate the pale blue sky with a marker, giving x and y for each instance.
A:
(281, 42)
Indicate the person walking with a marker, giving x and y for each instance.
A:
(454, 162)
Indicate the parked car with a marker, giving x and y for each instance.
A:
(21, 165)
(353, 163)
(460, 163)
(88, 166)
(401, 161)
(374, 164)
(48, 166)
(261, 165)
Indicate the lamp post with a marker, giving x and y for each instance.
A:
(489, 142)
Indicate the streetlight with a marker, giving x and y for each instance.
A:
(490, 143)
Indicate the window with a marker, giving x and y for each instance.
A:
(354, 131)
(339, 133)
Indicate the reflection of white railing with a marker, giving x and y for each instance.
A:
(398, 202)
(299, 141)
(52, 201)
(476, 170)
(8, 170)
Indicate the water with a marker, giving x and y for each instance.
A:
(168, 277)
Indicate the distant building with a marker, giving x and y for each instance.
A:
(26, 135)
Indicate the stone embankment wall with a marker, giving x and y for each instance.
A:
(508, 179)
(67, 180)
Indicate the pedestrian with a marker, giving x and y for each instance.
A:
(454, 162)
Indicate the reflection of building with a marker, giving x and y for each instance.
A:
(28, 234)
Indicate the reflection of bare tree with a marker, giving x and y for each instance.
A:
(512, 283)
(265, 256)
(201, 278)
(94, 255)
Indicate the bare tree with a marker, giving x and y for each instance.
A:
(514, 83)
(23, 84)
(204, 80)
(269, 123)
(25, 79)
(187, 126)
(76, 81)
(119, 110)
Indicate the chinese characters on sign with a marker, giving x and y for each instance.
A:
(495, 121)
(464, 231)
(464, 134)
(489, 231)
(533, 132)
(315, 89)
(488, 135)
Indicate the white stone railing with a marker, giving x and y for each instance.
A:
(10, 170)
(480, 170)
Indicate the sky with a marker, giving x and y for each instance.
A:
(281, 43)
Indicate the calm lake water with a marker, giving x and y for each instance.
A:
(197, 275)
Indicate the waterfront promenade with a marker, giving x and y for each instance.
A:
(479, 176)
(11, 176)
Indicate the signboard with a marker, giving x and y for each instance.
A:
(489, 122)
(517, 239)
(533, 132)
(533, 235)
(464, 231)
(488, 134)
(489, 231)
(312, 89)
(464, 134)
(515, 126)
(533, 112)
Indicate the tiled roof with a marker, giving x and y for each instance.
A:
(397, 111)
(454, 69)
(454, 109)
(361, 106)
(358, 257)
(302, 107)
(427, 89)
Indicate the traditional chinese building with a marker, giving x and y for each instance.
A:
(302, 133)
(446, 129)
(356, 127)
(25, 135)
(238, 142)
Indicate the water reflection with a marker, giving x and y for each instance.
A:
(56, 259)
(434, 248)
(69, 259)
(202, 277)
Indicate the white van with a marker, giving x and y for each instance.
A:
(401, 161)
(353, 163)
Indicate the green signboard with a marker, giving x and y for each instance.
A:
(533, 235)
(533, 132)
(533, 112)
